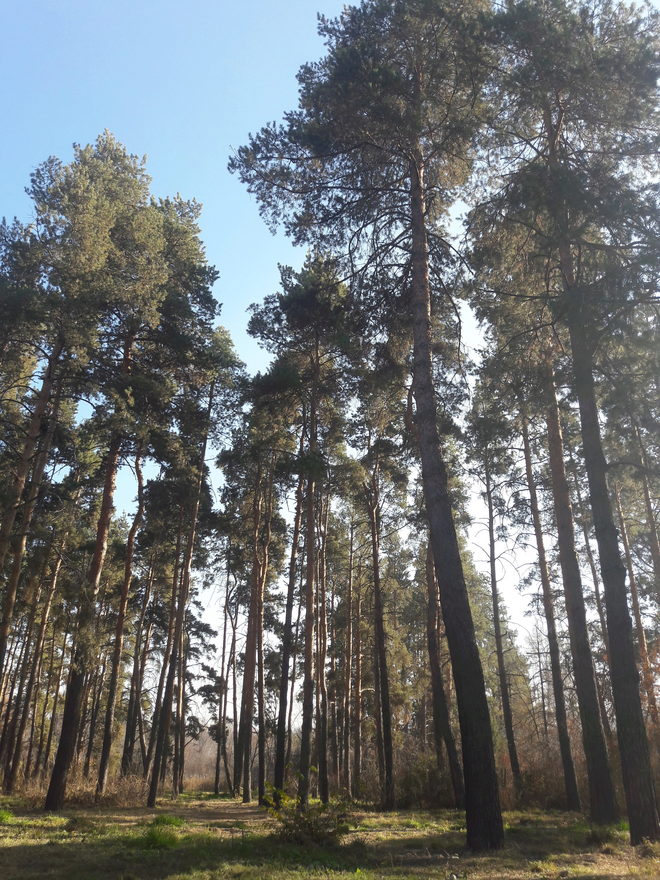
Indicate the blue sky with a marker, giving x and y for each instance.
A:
(183, 83)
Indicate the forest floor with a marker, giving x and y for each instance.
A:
(200, 837)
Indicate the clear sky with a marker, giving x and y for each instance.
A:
(182, 82)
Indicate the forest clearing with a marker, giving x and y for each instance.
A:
(377, 593)
(208, 838)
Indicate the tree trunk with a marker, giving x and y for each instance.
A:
(483, 814)
(633, 743)
(651, 524)
(135, 692)
(321, 653)
(602, 799)
(287, 643)
(308, 666)
(165, 718)
(10, 780)
(23, 466)
(115, 662)
(11, 588)
(85, 650)
(505, 695)
(570, 780)
(441, 724)
(56, 699)
(357, 695)
(348, 665)
(164, 669)
(380, 647)
(647, 672)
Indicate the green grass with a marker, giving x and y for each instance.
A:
(204, 840)
(169, 820)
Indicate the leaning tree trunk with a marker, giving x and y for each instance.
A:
(570, 780)
(482, 804)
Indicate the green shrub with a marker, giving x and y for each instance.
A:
(318, 823)
(6, 817)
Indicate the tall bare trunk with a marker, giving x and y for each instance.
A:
(483, 814)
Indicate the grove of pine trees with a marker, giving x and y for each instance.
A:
(301, 570)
